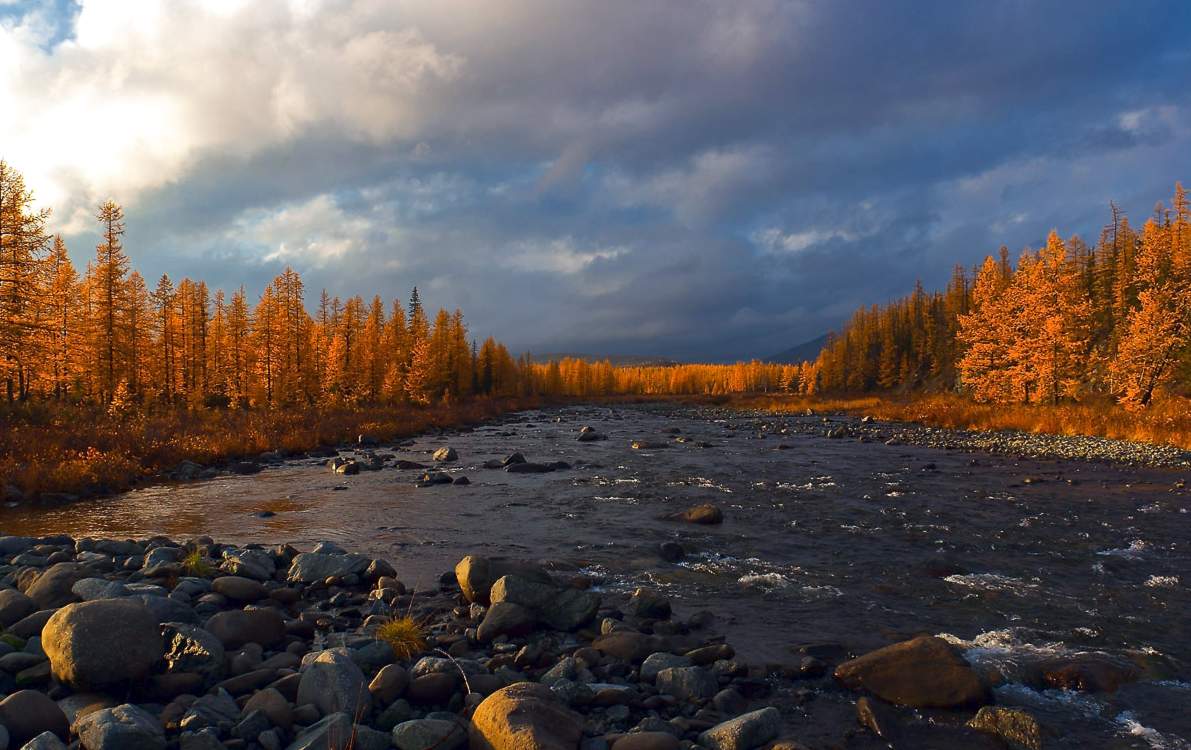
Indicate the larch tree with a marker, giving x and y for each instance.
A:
(110, 277)
(23, 241)
(61, 323)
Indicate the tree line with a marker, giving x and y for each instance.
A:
(105, 337)
(1065, 322)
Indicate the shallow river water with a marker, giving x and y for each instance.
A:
(824, 541)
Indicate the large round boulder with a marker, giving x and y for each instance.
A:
(925, 672)
(525, 716)
(102, 643)
(53, 588)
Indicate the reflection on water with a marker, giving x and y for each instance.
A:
(828, 540)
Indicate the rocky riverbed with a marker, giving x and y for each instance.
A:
(1051, 593)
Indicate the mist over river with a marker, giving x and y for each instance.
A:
(824, 542)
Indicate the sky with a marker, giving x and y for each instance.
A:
(697, 180)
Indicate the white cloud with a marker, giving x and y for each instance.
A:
(560, 256)
(312, 233)
(776, 241)
(145, 89)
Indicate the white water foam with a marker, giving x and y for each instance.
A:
(1129, 725)
(992, 582)
(1162, 582)
(1134, 551)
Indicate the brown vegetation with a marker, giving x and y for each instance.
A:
(1166, 422)
(78, 449)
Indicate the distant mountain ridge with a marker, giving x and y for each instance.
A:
(806, 351)
(620, 360)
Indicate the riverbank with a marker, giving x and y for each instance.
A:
(1160, 436)
(56, 453)
(155, 642)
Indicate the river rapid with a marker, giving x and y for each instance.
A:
(840, 544)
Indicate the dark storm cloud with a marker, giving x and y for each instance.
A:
(702, 180)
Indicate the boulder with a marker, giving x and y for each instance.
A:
(332, 732)
(239, 589)
(525, 716)
(333, 683)
(125, 727)
(562, 609)
(655, 663)
(477, 574)
(389, 684)
(28, 713)
(43, 741)
(1090, 673)
(249, 563)
(215, 709)
(752, 730)
(240, 626)
(505, 618)
(446, 453)
(89, 589)
(272, 704)
(705, 514)
(14, 607)
(429, 734)
(31, 625)
(626, 645)
(312, 567)
(649, 604)
(687, 683)
(53, 587)
(1017, 728)
(925, 672)
(103, 643)
(189, 648)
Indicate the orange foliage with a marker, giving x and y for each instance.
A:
(48, 448)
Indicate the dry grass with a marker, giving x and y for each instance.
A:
(405, 635)
(1167, 422)
(196, 565)
(84, 450)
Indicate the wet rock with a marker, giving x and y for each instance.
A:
(432, 478)
(446, 453)
(52, 588)
(687, 683)
(626, 645)
(1017, 728)
(705, 515)
(429, 734)
(28, 713)
(237, 627)
(216, 709)
(460, 481)
(925, 672)
(333, 683)
(649, 604)
(526, 467)
(14, 606)
(125, 727)
(647, 445)
(525, 716)
(655, 663)
(244, 467)
(310, 567)
(476, 575)
(189, 648)
(671, 551)
(255, 564)
(879, 718)
(239, 589)
(562, 609)
(104, 643)
(1088, 673)
(752, 730)
(505, 618)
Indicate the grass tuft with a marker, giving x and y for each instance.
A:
(195, 564)
(405, 635)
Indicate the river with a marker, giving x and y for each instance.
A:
(824, 541)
